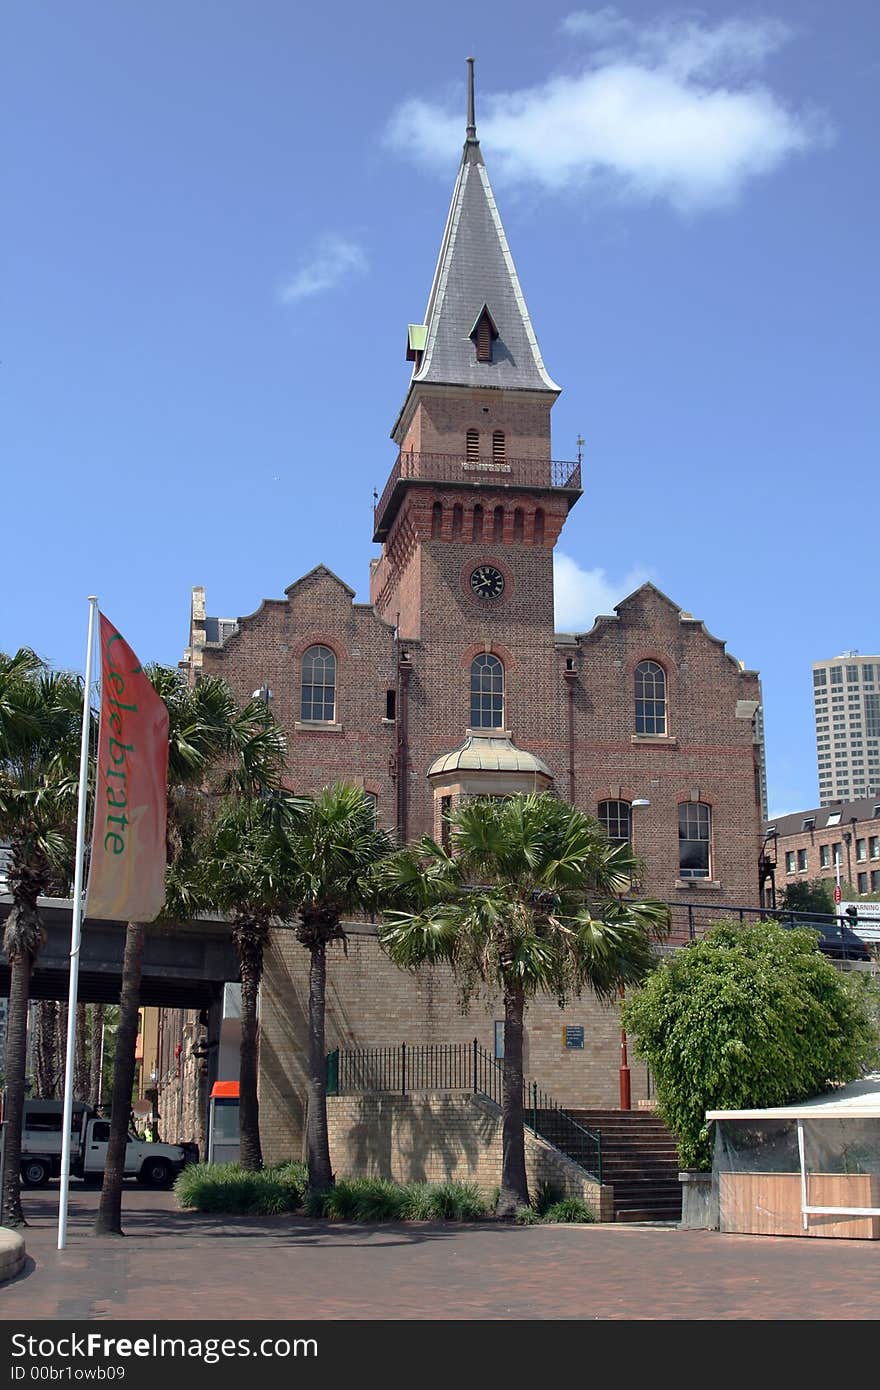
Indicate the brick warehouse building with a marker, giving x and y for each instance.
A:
(809, 845)
(452, 682)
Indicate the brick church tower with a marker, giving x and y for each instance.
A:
(474, 504)
(474, 481)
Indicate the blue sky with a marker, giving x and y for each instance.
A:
(221, 216)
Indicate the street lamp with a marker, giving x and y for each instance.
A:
(625, 1075)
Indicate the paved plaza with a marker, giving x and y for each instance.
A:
(175, 1264)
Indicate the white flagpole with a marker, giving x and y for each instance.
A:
(75, 931)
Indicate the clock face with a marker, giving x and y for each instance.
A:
(487, 582)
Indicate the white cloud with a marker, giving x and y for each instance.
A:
(580, 595)
(670, 110)
(680, 45)
(330, 262)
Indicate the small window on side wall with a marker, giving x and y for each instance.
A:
(694, 839)
(650, 695)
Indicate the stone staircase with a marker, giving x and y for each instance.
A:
(639, 1160)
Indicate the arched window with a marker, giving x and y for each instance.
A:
(650, 698)
(472, 446)
(694, 839)
(318, 690)
(518, 524)
(498, 447)
(539, 526)
(487, 692)
(457, 516)
(477, 527)
(614, 817)
(436, 520)
(498, 524)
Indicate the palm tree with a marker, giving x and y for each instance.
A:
(243, 861)
(333, 848)
(528, 899)
(40, 725)
(214, 748)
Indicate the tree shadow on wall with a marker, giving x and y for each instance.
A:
(421, 1138)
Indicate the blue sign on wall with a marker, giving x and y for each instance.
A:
(572, 1037)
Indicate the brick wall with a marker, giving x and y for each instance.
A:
(370, 1003)
(436, 420)
(435, 1136)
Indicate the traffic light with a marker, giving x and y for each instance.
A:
(852, 913)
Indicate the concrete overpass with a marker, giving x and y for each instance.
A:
(185, 965)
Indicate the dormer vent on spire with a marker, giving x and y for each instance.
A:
(483, 334)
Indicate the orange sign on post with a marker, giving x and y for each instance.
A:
(127, 869)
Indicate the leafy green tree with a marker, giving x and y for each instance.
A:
(811, 895)
(750, 1016)
(215, 749)
(333, 848)
(528, 900)
(40, 730)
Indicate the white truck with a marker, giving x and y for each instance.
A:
(155, 1165)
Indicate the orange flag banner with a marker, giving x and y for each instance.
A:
(127, 868)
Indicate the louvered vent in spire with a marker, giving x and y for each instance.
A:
(483, 334)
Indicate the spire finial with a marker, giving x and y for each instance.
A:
(471, 123)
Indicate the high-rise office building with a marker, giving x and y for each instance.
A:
(846, 701)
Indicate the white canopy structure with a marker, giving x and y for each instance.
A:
(838, 1135)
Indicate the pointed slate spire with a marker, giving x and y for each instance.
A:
(475, 271)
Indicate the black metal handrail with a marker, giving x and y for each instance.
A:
(690, 920)
(407, 1068)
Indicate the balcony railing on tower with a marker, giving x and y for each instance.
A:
(480, 471)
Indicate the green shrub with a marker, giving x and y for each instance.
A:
(456, 1201)
(365, 1199)
(378, 1199)
(750, 1016)
(546, 1195)
(570, 1209)
(419, 1202)
(315, 1203)
(226, 1187)
(293, 1176)
(526, 1216)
